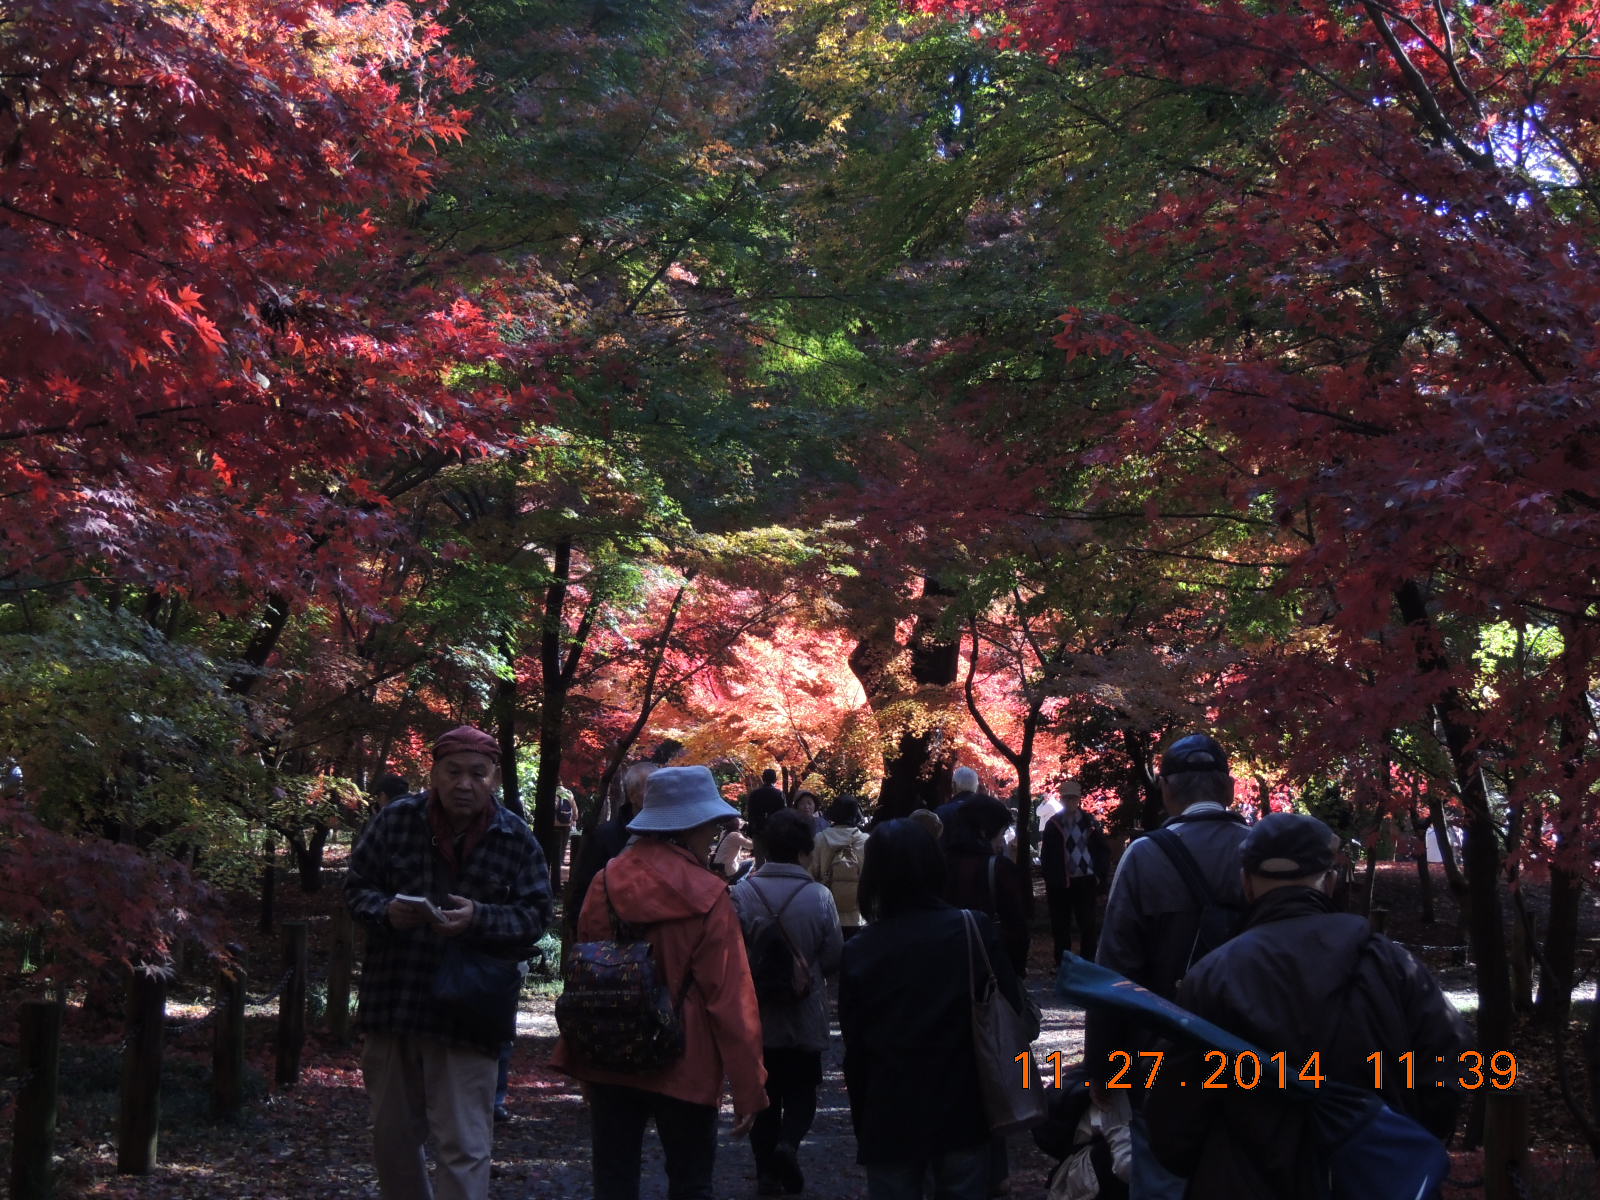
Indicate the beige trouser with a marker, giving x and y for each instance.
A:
(420, 1086)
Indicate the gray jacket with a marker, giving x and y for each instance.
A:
(1151, 920)
(812, 924)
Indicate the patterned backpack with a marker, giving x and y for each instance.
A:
(615, 1011)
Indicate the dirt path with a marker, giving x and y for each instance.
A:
(544, 1153)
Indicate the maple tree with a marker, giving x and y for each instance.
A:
(211, 332)
(840, 385)
(217, 372)
(1398, 286)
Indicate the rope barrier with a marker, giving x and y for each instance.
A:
(278, 987)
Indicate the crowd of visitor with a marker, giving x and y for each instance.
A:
(705, 944)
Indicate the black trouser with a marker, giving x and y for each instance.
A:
(1069, 904)
(558, 860)
(793, 1076)
(688, 1135)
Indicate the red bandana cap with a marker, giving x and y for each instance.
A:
(464, 739)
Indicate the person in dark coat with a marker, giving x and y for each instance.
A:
(759, 805)
(387, 789)
(963, 786)
(605, 841)
(1075, 862)
(1319, 987)
(983, 880)
(1152, 919)
(905, 1010)
(429, 1071)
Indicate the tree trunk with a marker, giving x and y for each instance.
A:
(139, 1110)
(553, 696)
(651, 695)
(1021, 760)
(227, 1045)
(269, 882)
(1141, 806)
(308, 856)
(262, 643)
(1369, 882)
(1485, 924)
(1419, 829)
(1560, 947)
(915, 773)
(1520, 951)
(558, 666)
(907, 778)
(1447, 850)
(1575, 732)
(505, 715)
(37, 1100)
(291, 1037)
(341, 969)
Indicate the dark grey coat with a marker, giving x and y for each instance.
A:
(1299, 979)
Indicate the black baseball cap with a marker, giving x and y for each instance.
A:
(1194, 752)
(1287, 846)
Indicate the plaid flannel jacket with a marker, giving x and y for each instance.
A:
(506, 878)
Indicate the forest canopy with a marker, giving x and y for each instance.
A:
(851, 387)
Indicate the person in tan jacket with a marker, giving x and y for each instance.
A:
(660, 882)
(836, 860)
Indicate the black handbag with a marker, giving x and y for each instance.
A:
(481, 991)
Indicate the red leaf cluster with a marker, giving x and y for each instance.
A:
(213, 318)
(1402, 343)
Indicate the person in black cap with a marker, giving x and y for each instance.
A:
(761, 804)
(1319, 987)
(1152, 918)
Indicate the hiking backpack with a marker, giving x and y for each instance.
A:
(842, 875)
(1218, 921)
(615, 1010)
(780, 972)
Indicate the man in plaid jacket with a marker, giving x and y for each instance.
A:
(425, 1071)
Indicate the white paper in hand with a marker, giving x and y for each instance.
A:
(435, 913)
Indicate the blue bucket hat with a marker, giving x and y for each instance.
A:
(677, 799)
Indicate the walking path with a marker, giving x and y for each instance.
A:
(544, 1155)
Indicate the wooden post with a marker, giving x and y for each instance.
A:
(269, 881)
(1519, 955)
(1505, 1143)
(1379, 919)
(227, 1046)
(34, 1131)
(140, 1117)
(292, 1004)
(341, 965)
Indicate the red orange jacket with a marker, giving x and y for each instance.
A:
(692, 926)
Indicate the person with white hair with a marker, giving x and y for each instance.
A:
(964, 785)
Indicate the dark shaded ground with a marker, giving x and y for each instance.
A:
(311, 1140)
(549, 1114)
